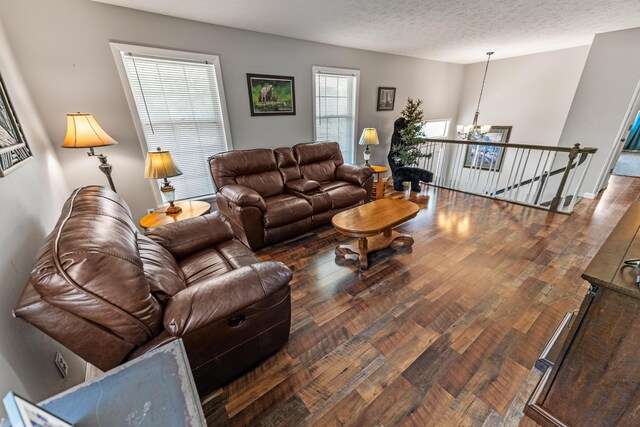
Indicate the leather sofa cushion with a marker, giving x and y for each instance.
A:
(321, 171)
(347, 195)
(303, 186)
(327, 186)
(287, 164)
(285, 209)
(316, 152)
(204, 265)
(81, 251)
(256, 169)
(236, 254)
(267, 184)
(224, 257)
(160, 267)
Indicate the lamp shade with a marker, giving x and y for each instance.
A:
(160, 164)
(369, 137)
(83, 131)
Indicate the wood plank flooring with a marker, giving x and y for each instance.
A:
(445, 333)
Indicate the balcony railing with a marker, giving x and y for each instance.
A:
(545, 177)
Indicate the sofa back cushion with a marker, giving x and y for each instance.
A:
(161, 269)
(287, 164)
(91, 267)
(318, 160)
(256, 169)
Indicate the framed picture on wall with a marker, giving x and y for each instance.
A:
(271, 95)
(14, 150)
(386, 98)
(485, 156)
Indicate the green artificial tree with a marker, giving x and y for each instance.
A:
(407, 152)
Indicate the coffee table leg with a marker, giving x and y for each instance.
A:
(360, 250)
(363, 248)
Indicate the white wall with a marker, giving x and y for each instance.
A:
(597, 115)
(32, 197)
(531, 93)
(62, 48)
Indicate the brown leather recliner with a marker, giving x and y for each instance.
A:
(274, 195)
(110, 293)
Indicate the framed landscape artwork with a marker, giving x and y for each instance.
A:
(271, 95)
(14, 150)
(490, 158)
(386, 98)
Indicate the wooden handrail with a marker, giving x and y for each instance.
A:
(589, 150)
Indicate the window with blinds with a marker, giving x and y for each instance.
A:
(336, 108)
(179, 108)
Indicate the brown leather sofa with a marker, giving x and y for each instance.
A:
(274, 195)
(110, 293)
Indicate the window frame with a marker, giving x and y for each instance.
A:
(448, 128)
(118, 48)
(318, 69)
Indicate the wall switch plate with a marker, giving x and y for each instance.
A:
(61, 364)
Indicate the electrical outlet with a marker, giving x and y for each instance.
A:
(61, 364)
(150, 211)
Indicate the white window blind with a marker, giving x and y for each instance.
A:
(179, 107)
(335, 110)
(435, 128)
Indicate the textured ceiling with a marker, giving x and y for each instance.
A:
(458, 31)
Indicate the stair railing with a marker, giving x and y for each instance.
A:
(546, 177)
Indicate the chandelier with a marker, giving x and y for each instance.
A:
(474, 131)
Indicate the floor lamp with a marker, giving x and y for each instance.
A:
(83, 131)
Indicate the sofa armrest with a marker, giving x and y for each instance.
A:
(303, 186)
(221, 296)
(356, 175)
(192, 235)
(242, 196)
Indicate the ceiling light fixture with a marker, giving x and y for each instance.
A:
(474, 131)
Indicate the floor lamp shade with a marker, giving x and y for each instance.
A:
(83, 131)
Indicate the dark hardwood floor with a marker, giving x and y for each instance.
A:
(445, 333)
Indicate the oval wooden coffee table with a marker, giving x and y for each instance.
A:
(372, 223)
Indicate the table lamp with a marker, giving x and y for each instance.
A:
(369, 137)
(160, 164)
(83, 131)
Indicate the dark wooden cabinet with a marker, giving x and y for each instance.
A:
(592, 371)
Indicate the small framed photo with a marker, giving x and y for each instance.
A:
(485, 156)
(271, 95)
(23, 413)
(14, 150)
(386, 98)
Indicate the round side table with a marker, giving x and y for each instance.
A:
(380, 183)
(190, 209)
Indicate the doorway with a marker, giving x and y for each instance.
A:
(628, 163)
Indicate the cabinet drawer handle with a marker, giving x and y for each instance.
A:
(236, 320)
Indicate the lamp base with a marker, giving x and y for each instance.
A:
(367, 155)
(173, 209)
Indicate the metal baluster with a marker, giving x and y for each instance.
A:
(524, 168)
(502, 168)
(533, 179)
(580, 182)
(506, 187)
(553, 160)
(490, 173)
(460, 167)
(479, 174)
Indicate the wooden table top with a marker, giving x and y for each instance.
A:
(607, 267)
(190, 209)
(379, 169)
(374, 217)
